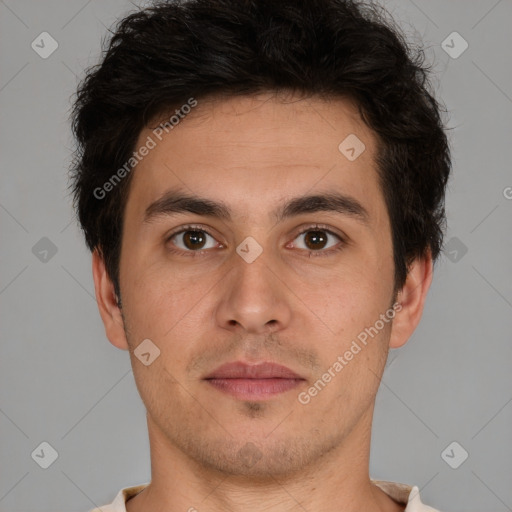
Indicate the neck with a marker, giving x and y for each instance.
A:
(339, 480)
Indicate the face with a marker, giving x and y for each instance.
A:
(249, 270)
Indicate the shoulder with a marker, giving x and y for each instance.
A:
(119, 503)
(408, 495)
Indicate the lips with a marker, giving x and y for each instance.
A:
(253, 382)
(240, 370)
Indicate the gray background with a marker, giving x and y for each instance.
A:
(63, 383)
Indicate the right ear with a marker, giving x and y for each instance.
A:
(107, 303)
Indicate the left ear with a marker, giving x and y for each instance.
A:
(412, 299)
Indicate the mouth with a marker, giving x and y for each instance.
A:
(253, 381)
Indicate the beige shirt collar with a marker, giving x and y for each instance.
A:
(401, 493)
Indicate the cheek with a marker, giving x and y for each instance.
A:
(353, 297)
(151, 292)
(166, 306)
(158, 310)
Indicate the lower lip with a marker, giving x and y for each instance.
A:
(254, 389)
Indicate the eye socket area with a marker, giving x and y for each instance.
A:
(193, 239)
(318, 236)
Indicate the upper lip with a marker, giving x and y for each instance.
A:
(241, 370)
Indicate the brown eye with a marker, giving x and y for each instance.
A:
(192, 240)
(319, 240)
(315, 239)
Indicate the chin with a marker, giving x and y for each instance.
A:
(262, 460)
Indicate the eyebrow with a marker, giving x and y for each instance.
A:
(176, 202)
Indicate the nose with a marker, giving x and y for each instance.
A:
(254, 298)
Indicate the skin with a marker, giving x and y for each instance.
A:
(254, 154)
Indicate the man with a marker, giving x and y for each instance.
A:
(262, 186)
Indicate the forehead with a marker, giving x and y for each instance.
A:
(248, 150)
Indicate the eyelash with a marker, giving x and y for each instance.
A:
(318, 227)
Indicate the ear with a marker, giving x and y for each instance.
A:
(107, 303)
(412, 299)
